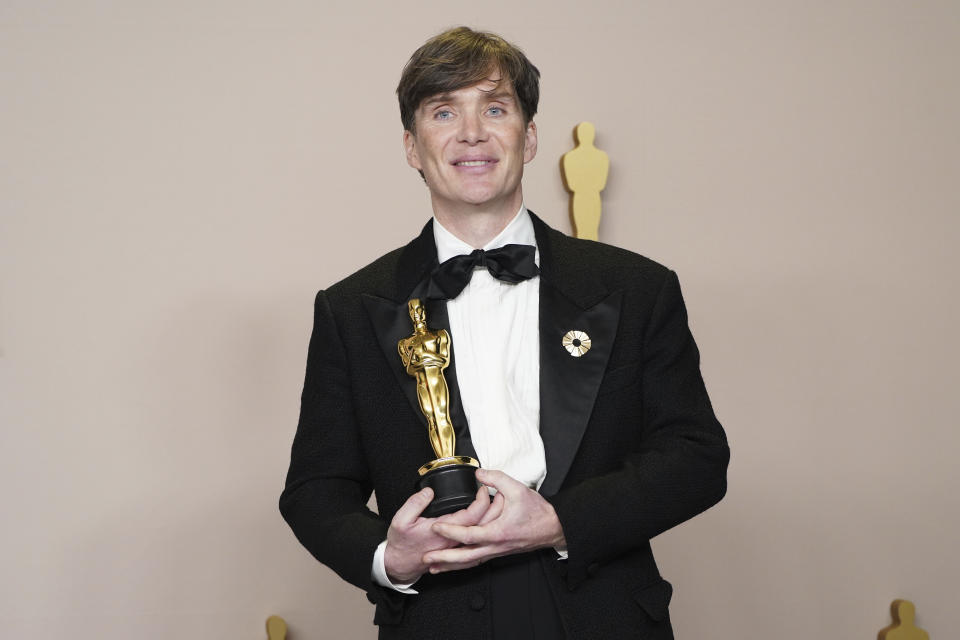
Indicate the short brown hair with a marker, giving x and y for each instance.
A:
(462, 57)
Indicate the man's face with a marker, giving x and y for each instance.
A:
(471, 145)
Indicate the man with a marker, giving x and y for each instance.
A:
(575, 382)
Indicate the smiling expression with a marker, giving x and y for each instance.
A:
(471, 145)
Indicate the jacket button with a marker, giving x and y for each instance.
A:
(477, 601)
(593, 569)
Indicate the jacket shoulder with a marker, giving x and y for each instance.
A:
(393, 274)
(615, 267)
(375, 278)
(615, 261)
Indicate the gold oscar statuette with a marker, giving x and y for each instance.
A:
(425, 355)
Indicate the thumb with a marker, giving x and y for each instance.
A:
(413, 507)
(500, 481)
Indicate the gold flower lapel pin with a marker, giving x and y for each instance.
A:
(576, 342)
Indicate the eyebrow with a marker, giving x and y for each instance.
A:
(503, 95)
(443, 97)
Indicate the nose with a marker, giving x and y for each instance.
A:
(472, 129)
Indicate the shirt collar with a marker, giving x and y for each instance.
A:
(518, 231)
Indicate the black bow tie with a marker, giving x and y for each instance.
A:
(510, 263)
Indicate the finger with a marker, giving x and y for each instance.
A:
(496, 508)
(413, 507)
(473, 513)
(470, 535)
(443, 568)
(501, 482)
(461, 557)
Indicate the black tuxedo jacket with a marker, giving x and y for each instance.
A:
(632, 444)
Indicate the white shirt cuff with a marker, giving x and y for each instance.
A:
(562, 554)
(379, 572)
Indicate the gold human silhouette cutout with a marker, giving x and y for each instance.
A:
(585, 170)
(425, 355)
(276, 628)
(903, 627)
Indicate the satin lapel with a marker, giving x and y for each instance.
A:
(391, 321)
(572, 298)
(569, 385)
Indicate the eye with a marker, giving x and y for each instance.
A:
(495, 111)
(442, 114)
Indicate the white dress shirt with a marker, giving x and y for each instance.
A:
(495, 332)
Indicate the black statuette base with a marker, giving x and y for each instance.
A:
(454, 488)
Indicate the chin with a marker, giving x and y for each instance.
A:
(485, 193)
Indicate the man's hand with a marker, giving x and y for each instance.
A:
(411, 536)
(518, 520)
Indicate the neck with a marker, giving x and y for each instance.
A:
(477, 224)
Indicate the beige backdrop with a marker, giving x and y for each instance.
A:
(177, 179)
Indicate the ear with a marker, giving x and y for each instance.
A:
(530, 142)
(410, 147)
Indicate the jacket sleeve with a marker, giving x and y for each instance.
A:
(328, 483)
(679, 468)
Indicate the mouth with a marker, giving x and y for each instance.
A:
(481, 162)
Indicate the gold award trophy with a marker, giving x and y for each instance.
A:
(425, 355)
